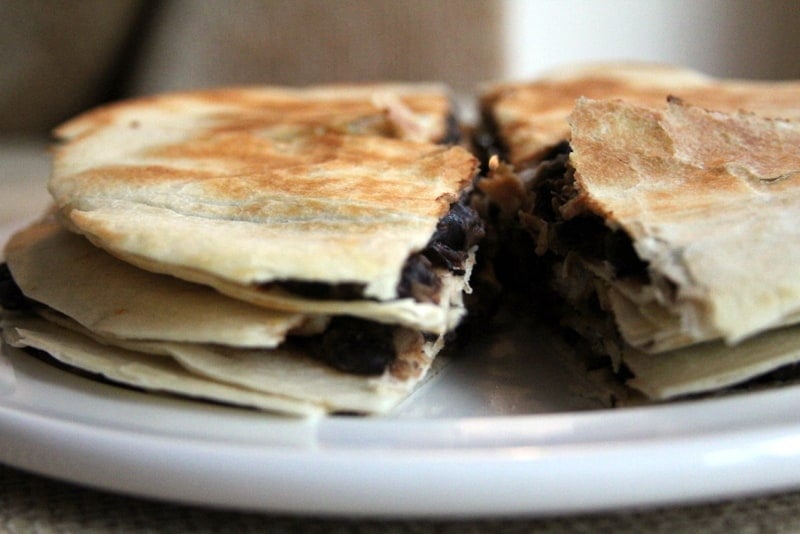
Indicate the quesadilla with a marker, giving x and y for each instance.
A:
(331, 224)
(307, 220)
(667, 228)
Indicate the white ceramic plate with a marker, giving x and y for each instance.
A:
(491, 435)
(509, 428)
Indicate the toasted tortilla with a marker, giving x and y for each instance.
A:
(284, 381)
(531, 117)
(710, 201)
(418, 112)
(221, 199)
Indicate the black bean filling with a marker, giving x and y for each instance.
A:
(352, 345)
(591, 238)
(320, 290)
(419, 280)
(365, 347)
(456, 233)
(486, 142)
(551, 186)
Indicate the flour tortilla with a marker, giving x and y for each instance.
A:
(711, 366)
(65, 272)
(531, 116)
(222, 199)
(710, 200)
(283, 380)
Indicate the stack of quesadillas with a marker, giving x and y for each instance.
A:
(297, 250)
(665, 205)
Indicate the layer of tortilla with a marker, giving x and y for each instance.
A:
(112, 298)
(711, 200)
(283, 380)
(531, 116)
(711, 366)
(147, 371)
(434, 317)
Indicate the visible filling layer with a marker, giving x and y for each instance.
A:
(349, 344)
(551, 186)
(452, 134)
(456, 233)
(11, 297)
(354, 345)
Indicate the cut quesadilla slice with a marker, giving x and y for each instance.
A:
(667, 228)
(327, 223)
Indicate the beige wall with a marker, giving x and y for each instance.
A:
(56, 57)
(59, 57)
(55, 54)
(307, 41)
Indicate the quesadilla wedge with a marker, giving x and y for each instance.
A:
(669, 231)
(301, 219)
(325, 223)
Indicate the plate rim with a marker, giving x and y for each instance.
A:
(358, 467)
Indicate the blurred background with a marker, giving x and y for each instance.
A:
(60, 57)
